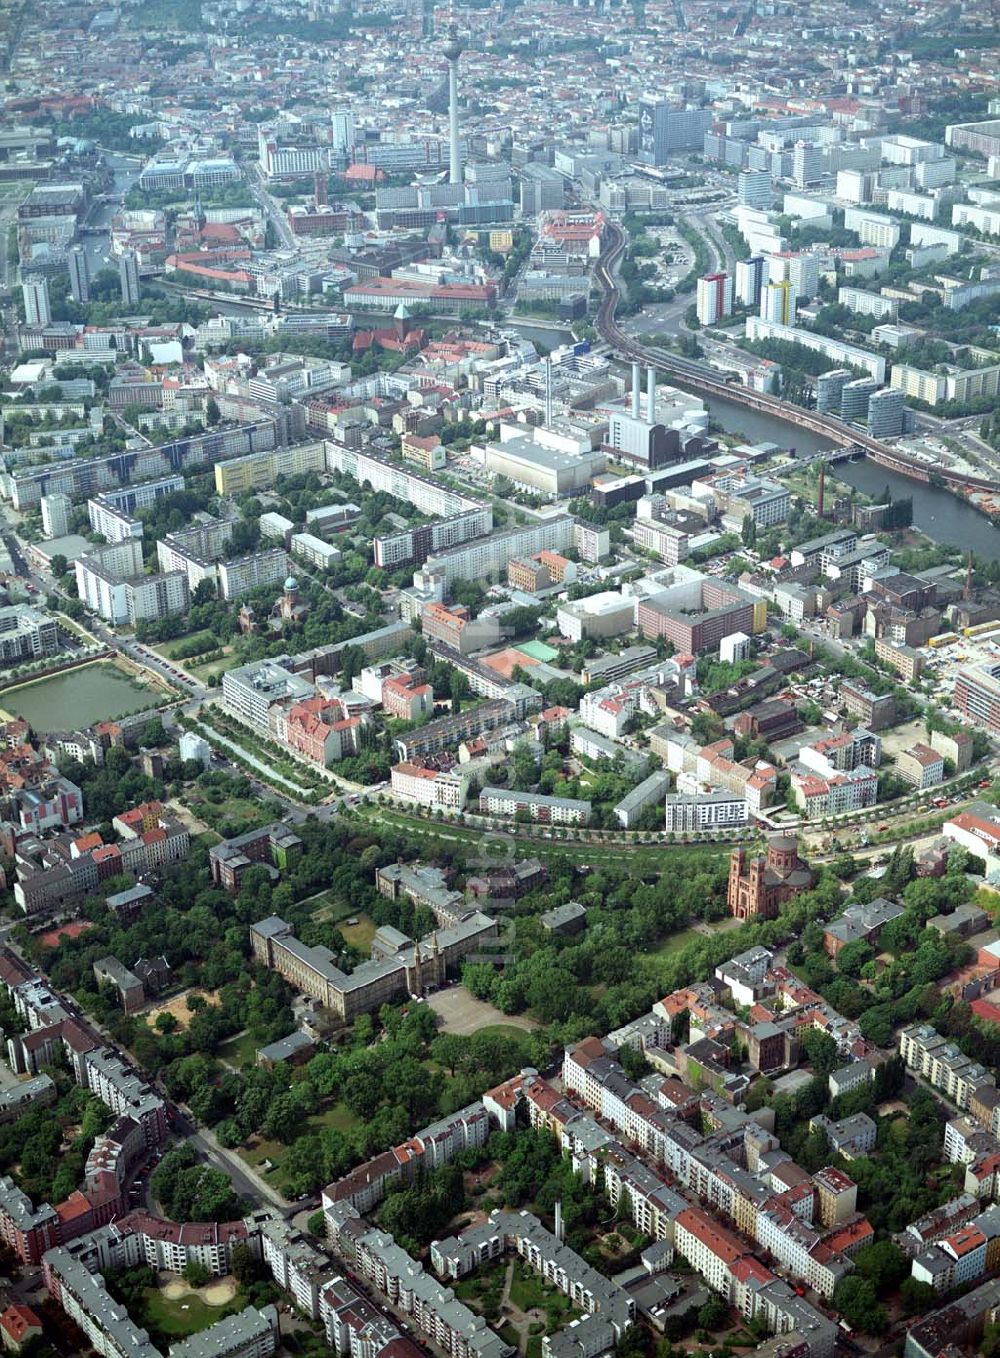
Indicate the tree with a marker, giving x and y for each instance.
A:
(196, 1273)
(853, 956)
(458, 687)
(153, 733)
(713, 1315)
(748, 531)
(204, 593)
(883, 1264)
(212, 412)
(855, 1299)
(59, 564)
(244, 1267)
(918, 1297)
(821, 1049)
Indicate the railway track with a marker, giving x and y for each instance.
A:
(702, 380)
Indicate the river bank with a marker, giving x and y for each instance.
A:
(940, 515)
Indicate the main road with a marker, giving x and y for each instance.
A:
(702, 379)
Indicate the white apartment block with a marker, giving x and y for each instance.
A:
(501, 801)
(239, 577)
(668, 543)
(488, 558)
(314, 550)
(942, 1063)
(429, 496)
(114, 524)
(429, 787)
(607, 713)
(867, 303)
(873, 364)
(55, 515)
(705, 811)
(985, 219)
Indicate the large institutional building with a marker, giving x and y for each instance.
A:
(399, 966)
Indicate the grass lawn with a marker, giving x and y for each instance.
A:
(528, 1291)
(359, 935)
(169, 649)
(224, 662)
(509, 1335)
(239, 1051)
(336, 1116)
(509, 1030)
(230, 808)
(328, 910)
(675, 942)
(183, 1316)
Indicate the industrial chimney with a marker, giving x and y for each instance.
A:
(636, 379)
(548, 391)
(650, 395)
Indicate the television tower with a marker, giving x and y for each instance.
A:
(453, 50)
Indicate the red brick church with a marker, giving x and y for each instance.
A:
(758, 886)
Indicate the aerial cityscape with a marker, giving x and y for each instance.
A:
(500, 679)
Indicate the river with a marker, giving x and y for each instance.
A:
(939, 515)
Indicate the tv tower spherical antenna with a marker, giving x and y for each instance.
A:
(453, 48)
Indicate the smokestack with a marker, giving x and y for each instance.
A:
(822, 487)
(558, 1222)
(548, 391)
(650, 395)
(636, 379)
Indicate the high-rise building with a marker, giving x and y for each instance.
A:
(128, 273)
(807, 164)
(37, 309)
(886, 412)
(855, 397)
(427, 27)
(714, 298)
(342, 124)
(777, 302)
(79, 274)
(749, 280)
(55, 514)
(541, 188)
(665, 129)
(754, 189)
(829, 389)
(800, 268)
